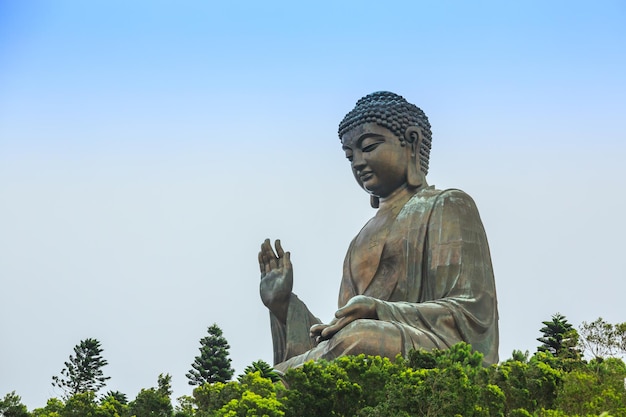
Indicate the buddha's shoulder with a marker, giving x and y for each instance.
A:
(433, 197)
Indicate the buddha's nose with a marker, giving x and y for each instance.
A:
(357, 161)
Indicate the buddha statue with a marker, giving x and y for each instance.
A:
(417, 275)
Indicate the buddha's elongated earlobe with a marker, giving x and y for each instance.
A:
(374, 201)
(414, 176)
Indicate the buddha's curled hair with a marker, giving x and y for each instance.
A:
(393, 112)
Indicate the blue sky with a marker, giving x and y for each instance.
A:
(148, 148)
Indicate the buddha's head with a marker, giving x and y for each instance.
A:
(404, 132)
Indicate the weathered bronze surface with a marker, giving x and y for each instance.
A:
(418, 275)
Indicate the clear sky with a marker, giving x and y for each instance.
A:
(147, 148)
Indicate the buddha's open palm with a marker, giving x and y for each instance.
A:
(276, 278)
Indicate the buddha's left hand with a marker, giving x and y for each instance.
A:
(359, 307)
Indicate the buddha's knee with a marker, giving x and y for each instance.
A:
(370, 337)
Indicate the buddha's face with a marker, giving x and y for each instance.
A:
(379, 161)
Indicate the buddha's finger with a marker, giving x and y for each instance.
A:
(266, 248)
(267, 264)
(269, 256)
(261, 264)
(279, 248)
(270, 262)
(316, 329)
(345, 310)
(273, 261)
(280, 252)
(286, 260)
(330, 331)
(264, 264)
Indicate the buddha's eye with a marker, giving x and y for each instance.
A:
(371, 147)
(349, 157)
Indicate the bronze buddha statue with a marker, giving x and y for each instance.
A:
(417, 275)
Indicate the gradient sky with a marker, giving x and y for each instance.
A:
(147, 148)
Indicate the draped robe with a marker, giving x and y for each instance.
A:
(429, 271)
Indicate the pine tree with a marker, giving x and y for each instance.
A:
(118, 396)
(83, 372)
(559, 337)
(263, 368)
(213, 364)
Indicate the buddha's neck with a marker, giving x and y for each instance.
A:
(399, 197)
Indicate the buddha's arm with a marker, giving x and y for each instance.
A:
(458, 298)
(292, 337)
(290, 319)
(276, 279)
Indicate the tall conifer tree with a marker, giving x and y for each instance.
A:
(213, 363)
(559, 337)
(83, 372)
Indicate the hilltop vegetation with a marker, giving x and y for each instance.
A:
(556, 381)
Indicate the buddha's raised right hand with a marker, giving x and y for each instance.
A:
(276, 279)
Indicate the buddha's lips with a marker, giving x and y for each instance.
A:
(364, 176)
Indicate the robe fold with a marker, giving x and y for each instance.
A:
(432, 281)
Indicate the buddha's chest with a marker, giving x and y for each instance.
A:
(376, 252)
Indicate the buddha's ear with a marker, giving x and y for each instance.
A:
(415, 177)
(413, 135)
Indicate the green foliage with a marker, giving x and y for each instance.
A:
(436, 383)
(154, 402)
(321, 389)
(185, 407)
(117, 395)
(149, 403)
(164, 385)
(371, 373)
(544, 380)
(528, 385)
(11, 406)
(253, 395)
(258, 399)
(554, 382)
(211, 397)
(594, 389)
(111, 406)
(263, 368)
(492, 401)
(432, 392)
(53, 408)
(600, 339)
(519, 412)
(559, 338)
(83, 371)
(511, 378)
(82, 404)
(258, 384)
(213, 363)
(251, 405)
(422, 359)
(461, 354)
(520, 356)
